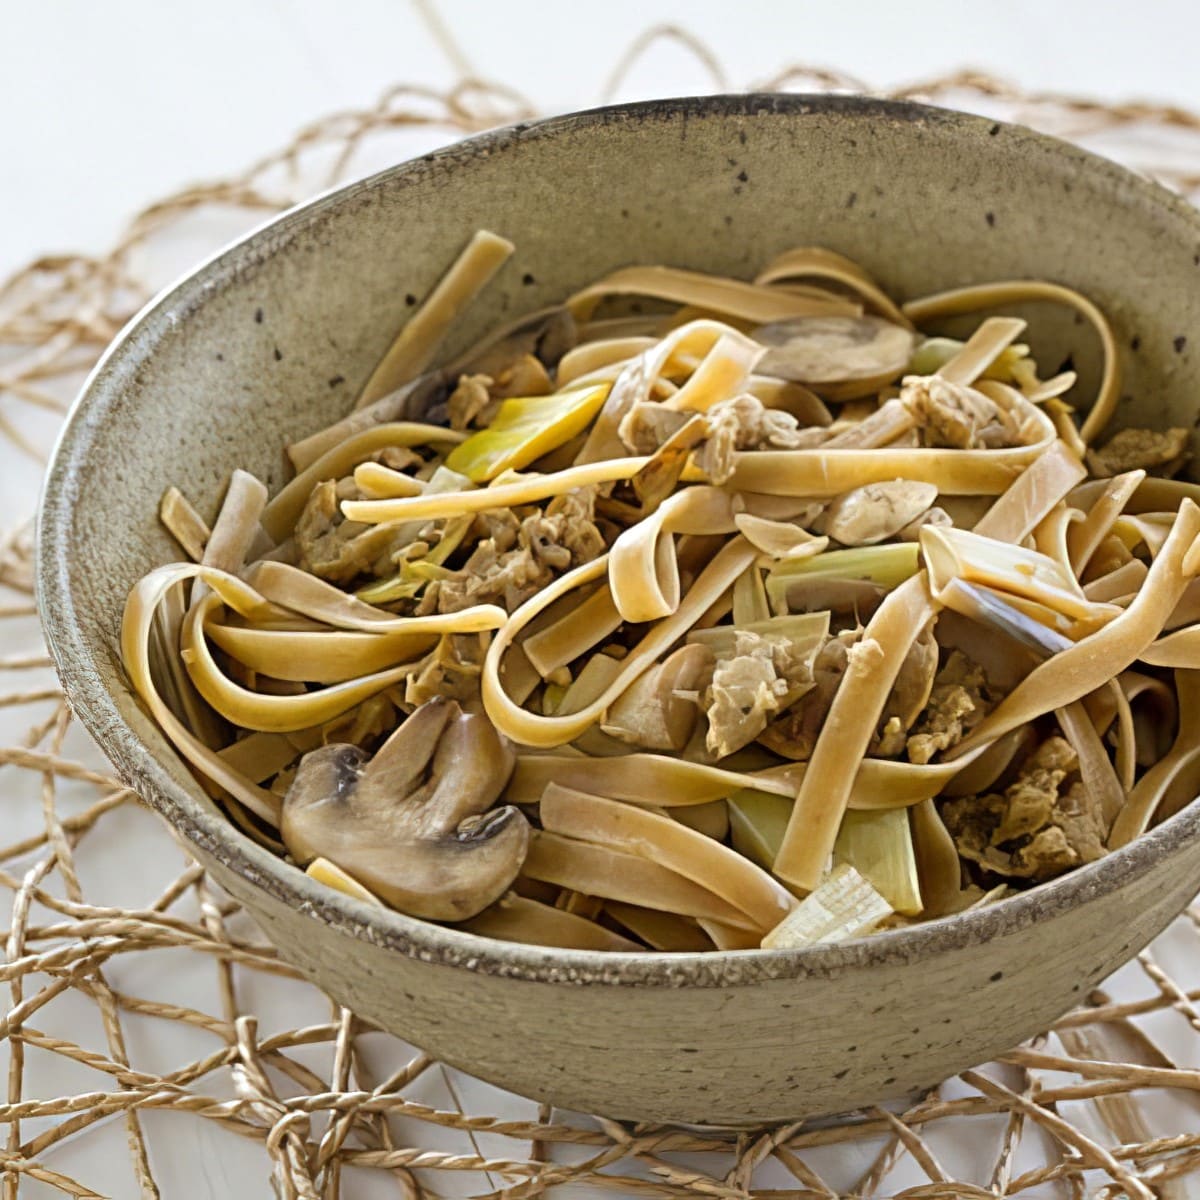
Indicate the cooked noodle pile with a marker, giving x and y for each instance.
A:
(695, 614)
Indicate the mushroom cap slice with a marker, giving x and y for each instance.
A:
(415, 824)
(841, 358)
(874, 512)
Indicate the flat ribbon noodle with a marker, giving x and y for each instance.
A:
(422, 334)
(991, 295)
(530, 489)
(136, 625)
(528, 729)
(830, 472)
(731, 297)
(288, 587)
(815, 262)
(280, 516)
(264, 711)
(870, 674)
(1183, 757)
(1088, 664)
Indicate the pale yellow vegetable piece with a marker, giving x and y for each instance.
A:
(968, 556)
(524, 429)
(879, 846)
(885, 566)
(330, 874)
(843, 905)
(711, 819)
(757, 822)
(422, 334)
(691, 854)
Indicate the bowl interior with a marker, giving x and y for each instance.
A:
(272, 339)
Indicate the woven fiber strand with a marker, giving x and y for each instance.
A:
(1107, 1104)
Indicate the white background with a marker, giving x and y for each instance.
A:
(106, 106)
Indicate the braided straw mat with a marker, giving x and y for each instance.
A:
(154, 1045)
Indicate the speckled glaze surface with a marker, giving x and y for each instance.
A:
(272, 339)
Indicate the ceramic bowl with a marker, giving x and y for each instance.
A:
(273, 338)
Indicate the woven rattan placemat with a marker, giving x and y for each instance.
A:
(1108, 1103)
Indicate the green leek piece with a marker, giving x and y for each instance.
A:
(806, 631)
(524, 429)
(757, 823)
(414, 575)
(886, 566)
(711, 819)
(934, 353)
(750, 597)
(844, 905)
(879, 846)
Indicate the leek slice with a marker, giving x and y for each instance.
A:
(843, 905)
(523, 430)
(887, 566)
(879, 846)
(757, 823)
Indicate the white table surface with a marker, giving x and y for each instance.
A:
(104, 107)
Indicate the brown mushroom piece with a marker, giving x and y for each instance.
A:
(840, 358)
(875, 512)
(414, 824)
(659, 709)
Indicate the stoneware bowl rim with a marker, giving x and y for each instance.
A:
(96, 708)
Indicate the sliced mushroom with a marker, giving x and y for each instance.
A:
(876, 511)
(415, 824)
(654, 711)
(841, 358)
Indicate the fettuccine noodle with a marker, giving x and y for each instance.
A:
(629, 625)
